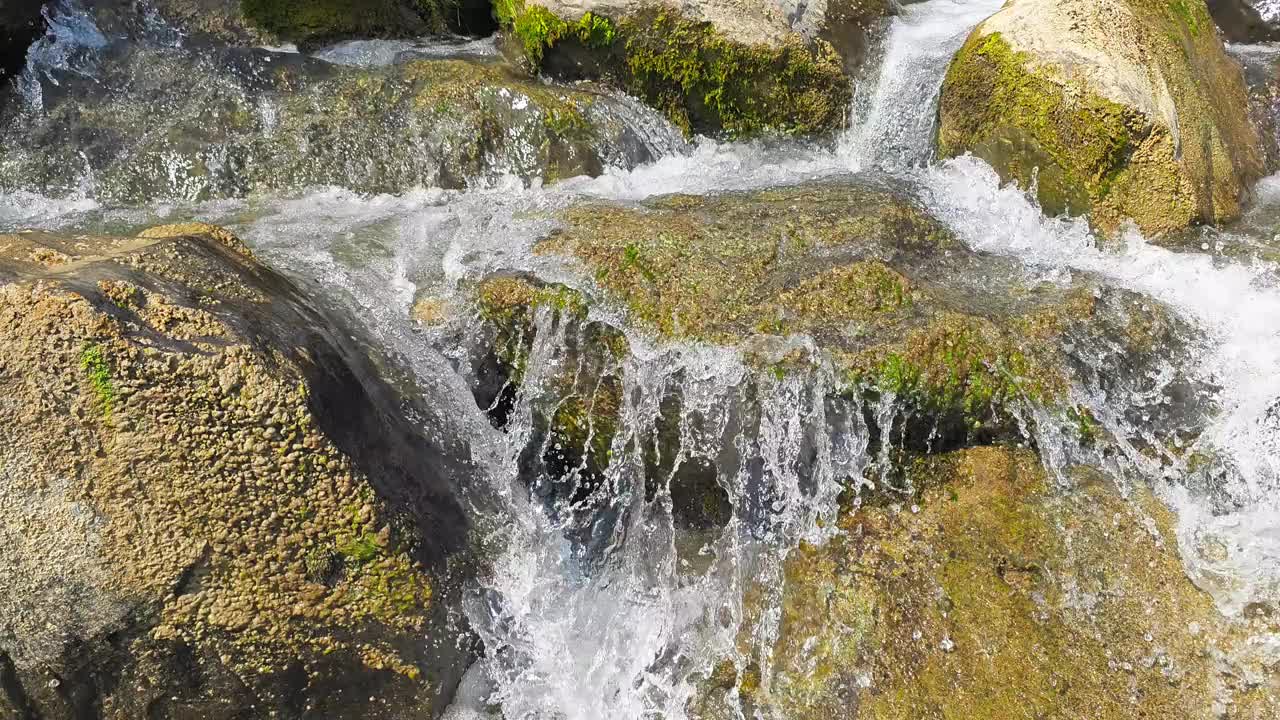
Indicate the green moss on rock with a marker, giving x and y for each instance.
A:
(700, 78)
(1138, 117)
(849, 265)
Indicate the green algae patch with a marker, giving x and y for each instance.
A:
(999, 595)
(93, 361)
(702, 80)
(1147, 122)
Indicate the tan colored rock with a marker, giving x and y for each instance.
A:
(1119, 109)
(192, 465)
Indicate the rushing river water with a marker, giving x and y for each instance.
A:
(620, 627)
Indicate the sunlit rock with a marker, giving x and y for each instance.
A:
(1118, 109)
(941, 347)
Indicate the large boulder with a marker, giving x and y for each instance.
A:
(210, 504)
(993, 592)
(21, 22)
(737, 68)
(1247, 20)
(954, 348)
(1119, 109)
(162, 123)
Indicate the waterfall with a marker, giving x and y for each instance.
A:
(620, 612)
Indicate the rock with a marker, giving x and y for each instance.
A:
(163, 124)
(1114, 108)
(961, 348)
(20, 25)
(1244, 21)
(1000, 594)
(211, 506)
(720, 66)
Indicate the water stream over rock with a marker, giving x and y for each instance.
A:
(606, 599)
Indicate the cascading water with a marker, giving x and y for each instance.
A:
(621, 612)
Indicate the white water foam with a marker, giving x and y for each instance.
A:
(1235, 555)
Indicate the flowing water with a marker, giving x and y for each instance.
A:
(619, 612)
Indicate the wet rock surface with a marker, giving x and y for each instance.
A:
(954, 348)
(1246, 20)
(155, 123)
(212, 505)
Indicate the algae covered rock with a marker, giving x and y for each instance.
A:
(997, 594)
(160, 123)
(1118, 109)
(739, 69)
(211, 505)
(890, 297)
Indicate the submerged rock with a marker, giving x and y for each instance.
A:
(994, 593)
(1112, 108)
(1247, 20)
(739, 69)
(210, 504)
(164, 124)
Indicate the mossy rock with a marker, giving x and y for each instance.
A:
(1137, 113)
(1000, 594)
(703, 78)
(861, 269)
(845, 275)
(210, 500)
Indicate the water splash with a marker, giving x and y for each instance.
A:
(69, 46)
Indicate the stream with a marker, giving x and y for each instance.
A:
(618, 613)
